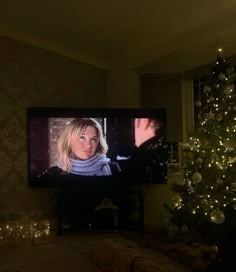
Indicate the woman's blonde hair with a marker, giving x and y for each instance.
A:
(71, 133)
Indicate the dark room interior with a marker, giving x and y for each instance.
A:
(118, 62)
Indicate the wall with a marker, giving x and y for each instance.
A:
(162, 91)
(123, 87)
(30, 76)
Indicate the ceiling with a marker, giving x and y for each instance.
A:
(144, 35)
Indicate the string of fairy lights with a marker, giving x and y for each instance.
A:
(24, 229)
(209, 184)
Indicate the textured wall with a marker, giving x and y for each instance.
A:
(30, 76)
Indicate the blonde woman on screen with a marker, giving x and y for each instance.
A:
(82, 150)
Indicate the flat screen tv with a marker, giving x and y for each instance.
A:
(134, 157)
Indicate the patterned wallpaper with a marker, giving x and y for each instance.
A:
(30, 76)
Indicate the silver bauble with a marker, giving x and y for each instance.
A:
(221, 76)
(196, 177)
(206, 89)
(230, 70)
(229, 89)
(219, 116)
(217, 216)
(199, 160)
(228, 144)
(233, 186)
(198, 103)
(181, 182)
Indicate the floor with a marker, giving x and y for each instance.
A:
(70, 253)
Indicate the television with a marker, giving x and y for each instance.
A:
(137, 164)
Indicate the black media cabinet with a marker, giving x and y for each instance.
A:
(77, 209)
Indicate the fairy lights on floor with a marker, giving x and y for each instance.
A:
(24, 230)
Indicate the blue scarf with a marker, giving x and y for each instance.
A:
(98, 165)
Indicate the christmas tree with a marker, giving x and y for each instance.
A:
(206, 197)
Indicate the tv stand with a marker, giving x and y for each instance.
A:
(86, 210)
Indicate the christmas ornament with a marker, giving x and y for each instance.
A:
(199, 116)
(198, 103)
(221, 76)
(181, 182)
(196, 177)
(215, 249)
(229, 70)
(219, 116)
(177, 200)
(199, 160)
(228, 144)
(229, 89)
(210, 115)
(206, 89)
(217, 216)
(233, 186)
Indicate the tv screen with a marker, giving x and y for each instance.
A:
(76, 146)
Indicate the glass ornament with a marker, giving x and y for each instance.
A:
(198, 103)
(215, 249)
(196, 177)
(221, 76)
(199, 160)
(177, 200)
(219, 116)
(199, 116)
(233, 186)
(181, 182)
(228, 144)
(230, 70)
(210, 115)
(229, 89)
(217, 216)
(206, 89)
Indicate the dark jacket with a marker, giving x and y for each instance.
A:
(148, 162)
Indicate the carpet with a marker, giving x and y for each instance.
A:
(70, 253)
